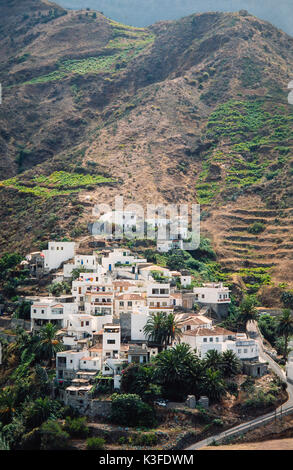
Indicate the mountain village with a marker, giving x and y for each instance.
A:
(102, 322)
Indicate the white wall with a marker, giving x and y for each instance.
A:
(57, 253)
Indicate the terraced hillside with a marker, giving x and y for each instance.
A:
(255, 243)
(193, 110)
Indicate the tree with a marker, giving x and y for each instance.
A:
(53, 437)
(7, 404)
(214, 386)
(155, 328)
(285, 328)
(248, 308)
(23, 310)
(230, 364)
(172, 330)
(49, 345)
(287, 299)
(213, 359)
(176, 370)
(40, 410)
(162, 329)
(130, 410)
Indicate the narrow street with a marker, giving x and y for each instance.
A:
(252, 330)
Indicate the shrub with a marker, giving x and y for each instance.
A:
(150, 439)
(95, 443)
(76, 427)
(256, 228)
(129, 409)
(259, 400)
(53, 437)
(31, 440)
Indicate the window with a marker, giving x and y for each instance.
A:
(239, 351)
(87, 323)
(211, 340)
(35, 310)
(245, 351)
(217, 339)
(107, 368)
(121, 304)
(202, 296)
(205, 340)
(188, 327)
(129, 304)
(110, 341)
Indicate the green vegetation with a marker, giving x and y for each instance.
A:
(12, 275)
(57, 184)
(254, 278)
(76, 427)
(161, 329)
(256, 228)
(250, 127)
(126, 44)
(28, 415)
(177, 372)
(201, 263)
(131, 410)
(277, 330)
(95, 443)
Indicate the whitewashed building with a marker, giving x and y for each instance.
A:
(57, 253)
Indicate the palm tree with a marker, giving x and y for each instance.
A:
(214, 386)
(155, 328)
(172, 330)
(48, 344)
(7, 404)
(285, 328)
(213, 359)
(230, 364)
(174, 369)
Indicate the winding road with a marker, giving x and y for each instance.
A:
(286, 408)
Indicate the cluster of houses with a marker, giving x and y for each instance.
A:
(101, 323)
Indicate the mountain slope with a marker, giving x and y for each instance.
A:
(146, 12)
(194, 109)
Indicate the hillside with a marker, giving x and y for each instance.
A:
(194, 109)
(146, 12)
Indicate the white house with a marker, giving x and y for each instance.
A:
(215, 295)
(51, 310)
(88, 262)
(212, 293)
(67, 364)
(221, 340)
(127, 303)
(57, 253)
(158, 298)
(119, 257)
(139, 318)
(111, 341)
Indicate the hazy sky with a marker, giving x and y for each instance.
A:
(146, 12)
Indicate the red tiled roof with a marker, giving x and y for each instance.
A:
(217, 331)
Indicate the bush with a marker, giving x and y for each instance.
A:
(76, 427)
(95, 443)
(150, 439)
(31, 440)
(257, 227)
(130, 410)
(53, 437)
(259, 400)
